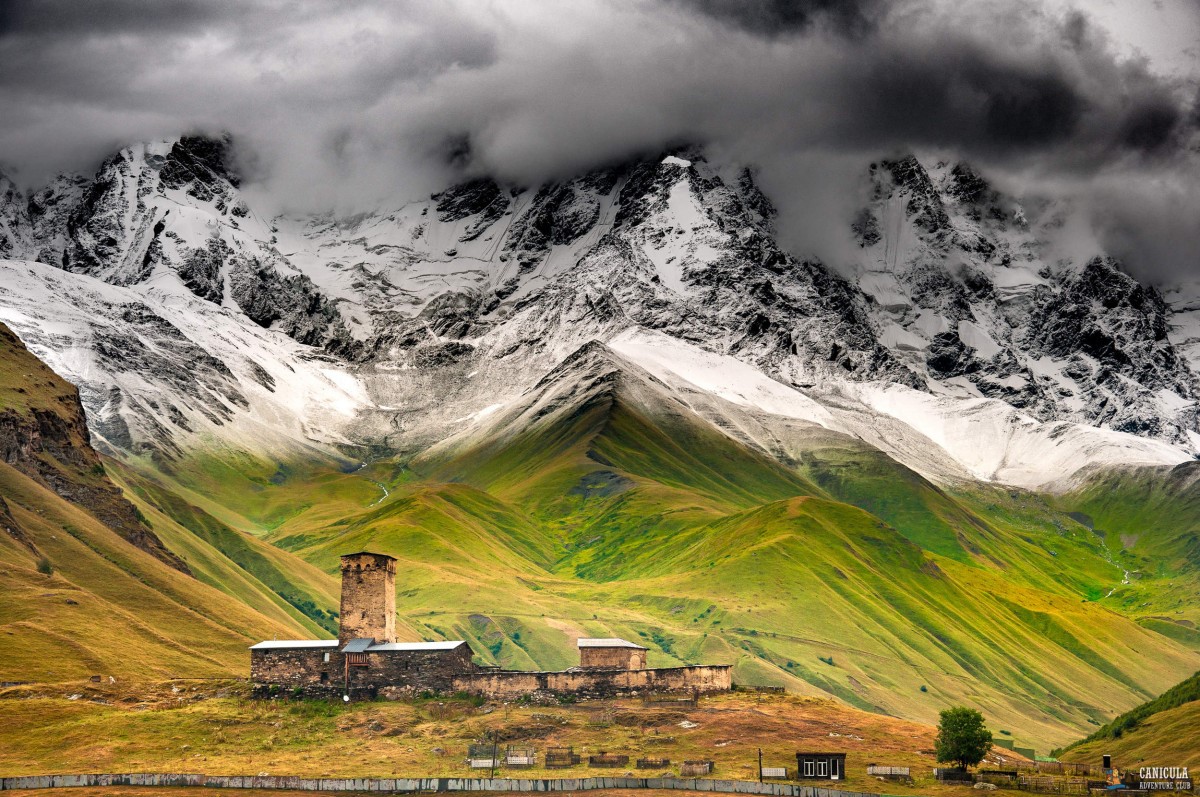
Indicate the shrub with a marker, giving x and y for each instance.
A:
(44, 567)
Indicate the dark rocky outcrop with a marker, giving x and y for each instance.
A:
(43, 434)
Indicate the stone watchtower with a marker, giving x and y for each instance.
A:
(368, 597)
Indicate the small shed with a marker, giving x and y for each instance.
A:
(483, 755)
(520, 756)
(611, 653)
(820, 766)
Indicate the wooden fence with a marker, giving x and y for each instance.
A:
(1067, 768)
(561, 757)
(410, 785)
(1049, 785)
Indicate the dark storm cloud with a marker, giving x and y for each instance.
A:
(347, 102)
(774, 18)
(65, 17)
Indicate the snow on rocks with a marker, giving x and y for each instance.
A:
(952, 345)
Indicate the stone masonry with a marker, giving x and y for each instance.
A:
(368, 609)
(611, 654)
(366, 661)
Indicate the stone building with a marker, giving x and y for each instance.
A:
(366, 660)
(368, 608)
(611, 654)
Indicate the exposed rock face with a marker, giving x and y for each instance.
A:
(962, 293)
(175, 208)
(10, 526)
(49, 215)
(15, 232)
(1113, 333)
(480, 198)
(413, 318)
(43, 434)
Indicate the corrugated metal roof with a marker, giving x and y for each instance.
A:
(401, 646)
(608, 642)
(356, 645)
(295, 643)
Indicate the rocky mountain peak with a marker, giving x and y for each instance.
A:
(15, 232)
(466, 299)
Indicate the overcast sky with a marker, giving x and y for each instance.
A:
(343, 104)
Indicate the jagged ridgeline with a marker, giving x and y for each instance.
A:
(614, 405)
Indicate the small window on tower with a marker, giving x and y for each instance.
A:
(326, 657)
(325, 676)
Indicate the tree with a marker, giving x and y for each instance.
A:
(962, 737)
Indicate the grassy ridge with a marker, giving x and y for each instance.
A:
(602, 506)
(108, 608)
(1163, 731)
(237, 563)
(1184, 692)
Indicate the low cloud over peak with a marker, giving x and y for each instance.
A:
(345, 104)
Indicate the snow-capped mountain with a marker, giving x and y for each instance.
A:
(186, 317)
(964, 293)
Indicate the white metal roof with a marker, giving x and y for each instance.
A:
(608, 642)
(400, 646)
(364, 645)
(295, 643)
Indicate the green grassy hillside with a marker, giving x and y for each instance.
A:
(601, 505)
(1164, 731)
(79, 600)
(93, 584)
(1149, 518)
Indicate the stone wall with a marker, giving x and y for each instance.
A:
(291, 667)
(368, 608)
(409, 785)
(613, 658)
(586, 684)
(397, 672)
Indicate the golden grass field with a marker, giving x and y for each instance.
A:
(214, 728)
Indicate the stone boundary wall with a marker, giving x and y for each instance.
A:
(402, 785)
(590, 684)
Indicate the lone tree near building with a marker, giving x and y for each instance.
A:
(962, 738)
